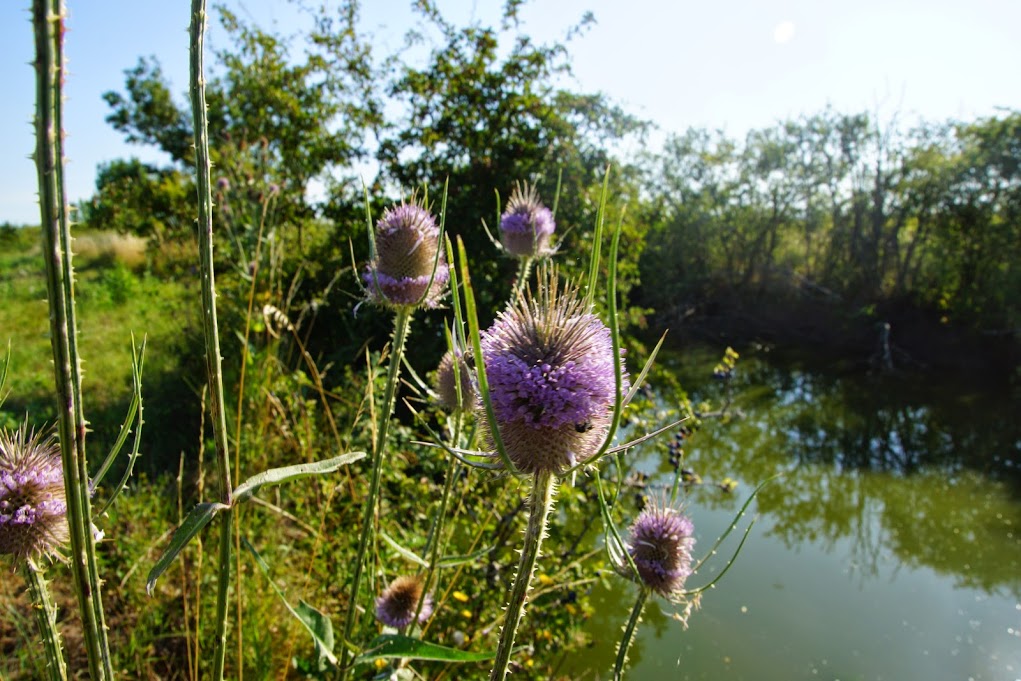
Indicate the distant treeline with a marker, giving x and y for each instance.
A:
(837, 208)
(833, 208)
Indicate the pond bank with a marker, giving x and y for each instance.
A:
(895, 336)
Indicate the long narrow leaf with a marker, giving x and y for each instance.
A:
(408, 554)
(316, 623)
(454, 561)
(597, 240)
(480, 363)
(391, 646)
(137, 361)
(737, 519)
(192, 525)
(3, 374)
(638, 382)
(276, 476)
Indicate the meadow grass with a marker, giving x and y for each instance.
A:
(114, 299)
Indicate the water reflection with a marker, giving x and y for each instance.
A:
(892, 548)
(926, 474)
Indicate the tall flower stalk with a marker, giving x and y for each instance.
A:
(212, 338)
(455, 393)
(46, 617)
(406, 271)
(48, 21)
(401, 323)
(659, 559)
(551, 383)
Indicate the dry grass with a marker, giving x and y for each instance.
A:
(111, 247)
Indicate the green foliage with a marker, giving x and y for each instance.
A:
(833, 207)
(483, 115)
(137, 198)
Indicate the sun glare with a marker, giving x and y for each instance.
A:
(784, 32)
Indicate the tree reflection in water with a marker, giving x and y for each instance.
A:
(890, 549)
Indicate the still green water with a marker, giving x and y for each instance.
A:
(891, 550)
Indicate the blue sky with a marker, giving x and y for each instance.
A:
(730, 64)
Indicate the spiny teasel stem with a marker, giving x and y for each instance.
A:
(629, 633)
(213, 359)
(401, 324)
(48, 23)
(541, 503)
(521, 282)
(46, 617)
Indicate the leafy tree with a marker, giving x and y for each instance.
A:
(139, 198)
(275, 120)
(482, 118)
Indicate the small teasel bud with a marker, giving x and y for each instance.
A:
(526, 226)
(33, 509)
(550, 369)
(409, 268)
(446, 382)
(397, 605)
(660, 546)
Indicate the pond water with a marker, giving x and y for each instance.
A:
(890, 550)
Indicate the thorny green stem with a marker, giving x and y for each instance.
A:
(629, 633)
(436, 536)
(213, 369)
(46, 616)
(401, 323)
(48, 23)
(541, 502)
(521, 283)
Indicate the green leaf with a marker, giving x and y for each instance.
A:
(317, 624)
(275, 476)
(321, 628)
(192, 525)
(3, 374)
(396, 646)
(454, 561)
(408, 554)
(136, 409)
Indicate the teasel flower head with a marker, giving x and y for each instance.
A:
(409, 268)
(454, 369)
(550, 369)
(33, 509)
(398, 603)
(660, 546)
(526, 226)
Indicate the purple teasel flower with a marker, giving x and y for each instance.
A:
(397, 605)
(660, 545)
(33, 509)
(409, 268)
(526, 227)
(550, 368)
(447, 378)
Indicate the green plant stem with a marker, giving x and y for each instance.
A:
(48, 22)
(212, 338)
(629, 633)
(401, 323)
(46, 616)
(435, 537)
(521, 282)
(541, 502)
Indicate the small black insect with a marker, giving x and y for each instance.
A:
(583, 427)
